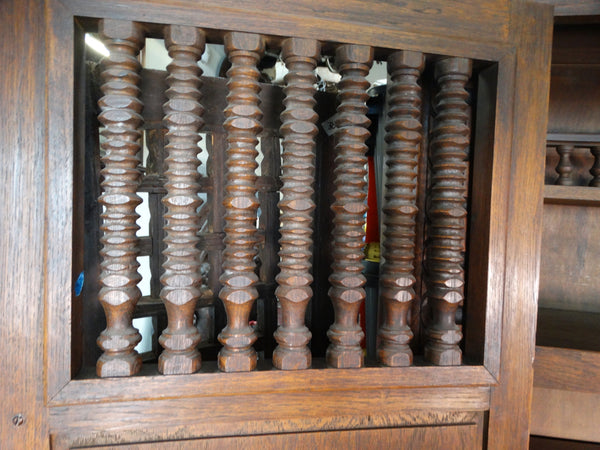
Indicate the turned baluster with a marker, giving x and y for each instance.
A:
(181, 279)
(447, 211)
(595, 170)
(242, 122)
(298, 130)
(565, 168)
(349, 207)
(403, 138)
(121, 116)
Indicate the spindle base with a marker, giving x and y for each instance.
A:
(292, 359)
(172, 363)
(238, 361)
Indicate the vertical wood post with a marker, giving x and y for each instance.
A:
(242, 122)
(565, 167)
(181, 279)
(121, 117)
(447, 211)
(403, 138)
(347, 281)
(298, 130)
(595, 170)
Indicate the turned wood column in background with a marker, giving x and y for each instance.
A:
(298, 172)
(447, 211)
(242, 122)
(121, 117)
(347, 281)
(403, 138)
(181, 279)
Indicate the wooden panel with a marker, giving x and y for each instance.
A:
(23, 250)
(510, 408)
(380, 23)
(568, 329)
(220, 416)
(570, 252)
(565, 414)
(457, 436)
(570, 195)
(543, 443)
(567, 369)
(574, 99)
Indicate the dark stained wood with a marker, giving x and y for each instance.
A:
(397, 26)
(566, 414)
(298, 131)
(574, 98)
(595, 170)
(447, 211)
(403, 137)
(121, 118)
(40, 169)
(461, 435)
(579, 369)
(301, 411)
(243, 125)
(571, 195)
(569, 270)
(26, 203)
(510, 404)
(544, 443)
(347, 281)
(181, 279)
(564, 167)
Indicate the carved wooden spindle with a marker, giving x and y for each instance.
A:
(347, 292)
(181, 279)
(121, 117)
(403, 137)
(447, 211)
(595, 170)
(565, 168)
(242, 122)
(298, 130)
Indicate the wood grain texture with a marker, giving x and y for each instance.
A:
(298, 176)
(571, 195)
(23, 250)
(295, 412)
(403, 138)
(569, 271)
(447, 211)
(566, 414)
(347, 281)
(243, 125)
(182, 278)
(510, 403)
(404, 23)
(121, 117)
(439, 437)
(567, 369)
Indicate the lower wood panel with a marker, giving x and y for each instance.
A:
(443, 437)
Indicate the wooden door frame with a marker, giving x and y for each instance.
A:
(36, 242)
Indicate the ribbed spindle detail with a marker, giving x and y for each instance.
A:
(447, 211)
(298, 130)
(121, 116)
(403, 137)
(181, 279)
(242, 123)
(349, 207)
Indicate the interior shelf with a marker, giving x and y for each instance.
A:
(568, 329)
(572, 195)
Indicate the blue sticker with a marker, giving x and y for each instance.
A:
(79, 284)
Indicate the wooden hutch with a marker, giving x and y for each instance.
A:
(257, 261)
